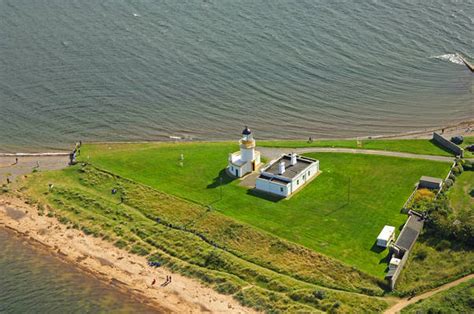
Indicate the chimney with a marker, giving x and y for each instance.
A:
(281, 168)
(293, 159)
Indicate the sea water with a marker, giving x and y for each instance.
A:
(150, 69)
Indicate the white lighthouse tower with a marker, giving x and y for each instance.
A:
(247, 159)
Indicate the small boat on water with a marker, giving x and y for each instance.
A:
(469, 65)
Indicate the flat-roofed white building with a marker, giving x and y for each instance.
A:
(386, 236)
(247, 159)
(287, 174)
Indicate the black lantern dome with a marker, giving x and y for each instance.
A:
(246, 131)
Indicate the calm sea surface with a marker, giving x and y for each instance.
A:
(150, 69)
(35, 282)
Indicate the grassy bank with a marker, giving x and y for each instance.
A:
(434, 262)
(459, 299)
(258, 269)
(322, 217)
(461, 195)
(414, 146)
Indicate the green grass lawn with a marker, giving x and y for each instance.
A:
(461, 195)
(319, 217)
(415, 146)
(258, 269)
(459, 299)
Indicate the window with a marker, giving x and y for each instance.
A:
(281, 190)
(297, 182)
(309, 173)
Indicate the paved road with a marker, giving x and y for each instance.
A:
(405, 302)
(274, 153)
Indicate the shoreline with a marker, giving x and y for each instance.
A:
(459, 128)
(124, 271)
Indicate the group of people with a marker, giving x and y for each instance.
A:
(164, 284)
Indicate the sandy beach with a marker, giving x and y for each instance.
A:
(116, 267)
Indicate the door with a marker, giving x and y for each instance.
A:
(236, 172)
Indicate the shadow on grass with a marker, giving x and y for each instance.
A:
(441, 147)
(335, 210)
(265, 196)
(222, 179)
(377, 249)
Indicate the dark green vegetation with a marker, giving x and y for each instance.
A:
(320, 217)
(445, 250)
(469, 140)
(434, 261)
(260, 270)
(414, 146)
(459, 299)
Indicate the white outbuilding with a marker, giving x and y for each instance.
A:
(287, 174)
(247, 159)
(386, 236)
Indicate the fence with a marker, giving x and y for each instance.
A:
(392, 280)
(445, 143)
(412, 195)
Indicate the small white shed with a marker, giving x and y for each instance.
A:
(394, 262)
(386, 236)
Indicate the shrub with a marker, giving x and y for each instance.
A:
(227, 288)
(319, 294)
(4, 189)
(139, 250)
(448, 183)
(424, 194)
(421, 255)
(457, 170)
(120, 244)
(443, 245)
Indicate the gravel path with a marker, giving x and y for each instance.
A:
(405, 302)
(26, 163)
(274, 153)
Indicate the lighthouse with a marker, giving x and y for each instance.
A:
(247, 159)
(247, 146)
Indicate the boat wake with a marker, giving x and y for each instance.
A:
(451, 57)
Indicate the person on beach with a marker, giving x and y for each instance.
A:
(16, 161)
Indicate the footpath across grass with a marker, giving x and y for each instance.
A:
(414, 146)
(339, 214)
(459, 299)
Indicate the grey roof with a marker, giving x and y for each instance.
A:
(410, 232)
(431, 179)
(273, 179)
(291, 171)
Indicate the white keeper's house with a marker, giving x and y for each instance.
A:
(247, 159)
(283, 176)
(287, 174)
